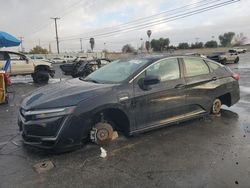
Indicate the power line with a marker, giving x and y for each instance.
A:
(153, 16)
(161, 21)
(68, 9)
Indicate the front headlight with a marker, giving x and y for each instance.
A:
(47, 113)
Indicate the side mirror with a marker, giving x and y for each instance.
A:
(151, 80)
(144, 83)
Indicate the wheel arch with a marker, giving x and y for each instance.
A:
(116, 114)
(42, 67)
(226, 99)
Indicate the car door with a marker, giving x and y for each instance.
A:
(198, 85)
(20, 64)
(162, 102)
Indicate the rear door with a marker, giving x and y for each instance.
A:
(199, 84)
(164, 101)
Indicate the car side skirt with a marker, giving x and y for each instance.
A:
(170, 121)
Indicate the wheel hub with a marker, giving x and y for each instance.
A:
(101, 133)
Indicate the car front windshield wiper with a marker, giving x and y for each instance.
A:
(88, 80)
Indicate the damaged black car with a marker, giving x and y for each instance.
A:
(82, 68)
(129, 96)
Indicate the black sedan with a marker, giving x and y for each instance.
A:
(129, 96)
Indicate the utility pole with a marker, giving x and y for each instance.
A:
(57, 41)
(22, 48)
(81, 43)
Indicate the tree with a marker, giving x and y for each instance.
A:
(197, 45)
(240, 39)
(226, 38)
(183, 45)
(211, 44)
(38, 50)
(128, 49)
(160, 44)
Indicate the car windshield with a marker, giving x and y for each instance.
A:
(117, 71)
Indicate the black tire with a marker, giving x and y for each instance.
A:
(216, 107)
(237, 60)
(41, 77)
(224, 61)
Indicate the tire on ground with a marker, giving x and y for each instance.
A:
(41, 76)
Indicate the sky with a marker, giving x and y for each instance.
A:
(31, 19)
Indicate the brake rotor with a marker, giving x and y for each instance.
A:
(104, 133)
(216, 106)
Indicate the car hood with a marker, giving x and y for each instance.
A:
(65, 93)
(40, 62)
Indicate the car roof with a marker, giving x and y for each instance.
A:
(153, 58)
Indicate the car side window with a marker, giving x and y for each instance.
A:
(212, 65)
(195, 67)
(167, 69)
(16, 57)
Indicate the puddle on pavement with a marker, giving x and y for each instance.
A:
(29, 80)
(245, 89)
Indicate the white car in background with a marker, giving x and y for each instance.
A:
(20, 64)
(57, 60)
(68, 58)
(238, 50)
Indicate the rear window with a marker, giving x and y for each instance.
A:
(195, 67)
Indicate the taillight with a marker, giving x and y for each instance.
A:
(235, 76)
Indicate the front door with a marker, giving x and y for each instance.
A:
(162, 102)
(20, 65)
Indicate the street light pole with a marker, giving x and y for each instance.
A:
(81, 43)
(57, 41)
(22, 48)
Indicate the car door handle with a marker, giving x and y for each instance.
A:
(214, 78)
(179, 86)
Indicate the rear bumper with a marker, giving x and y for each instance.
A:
(235, 95)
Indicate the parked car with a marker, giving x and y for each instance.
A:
(68, 58)
(196, 55)
(130, 96)
(57, 60)
(40, 58)
(238, 50)
(22, 65)
(82, 68)
(224, 57)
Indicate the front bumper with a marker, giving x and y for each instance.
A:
(60, 133)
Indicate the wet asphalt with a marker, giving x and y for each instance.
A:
(207, 152)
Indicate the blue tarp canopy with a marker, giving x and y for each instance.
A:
(7, 40)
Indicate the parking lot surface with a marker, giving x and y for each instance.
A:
(207, 152)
